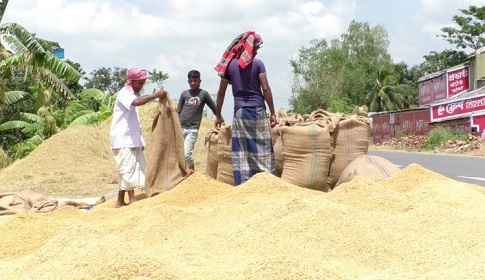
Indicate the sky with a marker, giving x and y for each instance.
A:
(178, 36)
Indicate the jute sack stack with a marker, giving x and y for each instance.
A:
(211, 142)
(166, 166)
(372, 167)
(306, 155)
(224, 145)
(350, 140)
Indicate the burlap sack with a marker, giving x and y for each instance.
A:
(306, 155)
(211, 142)
(281, 115)
(275, 133)
(291, 119)
(36, 202)
(331, 120)
(166, 166)
(225, 169)
(372, 167)
(278, 149)
(350, 140)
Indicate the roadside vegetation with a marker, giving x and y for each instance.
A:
(441, 135)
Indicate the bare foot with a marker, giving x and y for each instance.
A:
(118, 205)
(132, 200)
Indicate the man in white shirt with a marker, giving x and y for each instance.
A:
(126, 139)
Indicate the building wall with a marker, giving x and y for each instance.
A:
(477, 75)
(461, 125)
(386, 126)
(436, 91)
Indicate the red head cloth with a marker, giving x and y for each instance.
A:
(241, 48)
(135, 74)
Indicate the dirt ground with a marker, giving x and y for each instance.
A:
(475, 147)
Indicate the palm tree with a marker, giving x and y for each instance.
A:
(389, 94)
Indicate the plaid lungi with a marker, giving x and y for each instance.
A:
(252, 149)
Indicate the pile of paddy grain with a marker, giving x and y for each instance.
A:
(71, 160)
(414, 225)
(77, 162)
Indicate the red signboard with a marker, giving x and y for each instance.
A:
(432, 90)
(425, 97)
(439, 88)
(458, 81)
(457, 108)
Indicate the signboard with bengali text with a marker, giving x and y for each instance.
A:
(457, 108)
(458, 81)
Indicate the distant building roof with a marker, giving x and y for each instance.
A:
(441, 72)
(476, 52)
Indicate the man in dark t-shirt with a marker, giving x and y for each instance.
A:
(252, 149)
(190, 109)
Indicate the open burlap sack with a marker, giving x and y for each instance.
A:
(166, 166)
(290, 119)
(306, 155)
(372, 167)
(211, 142)
(350, 140)
(224, 169)
(36, 202)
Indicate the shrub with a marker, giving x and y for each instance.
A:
(440, 135)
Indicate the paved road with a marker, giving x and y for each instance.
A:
(467, 169)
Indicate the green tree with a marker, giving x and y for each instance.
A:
(106, 80)
(157, 77)
(343, 75)
(407, 81)
(311, 87)
(470, 31)
(367, 53)
(438, 61)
